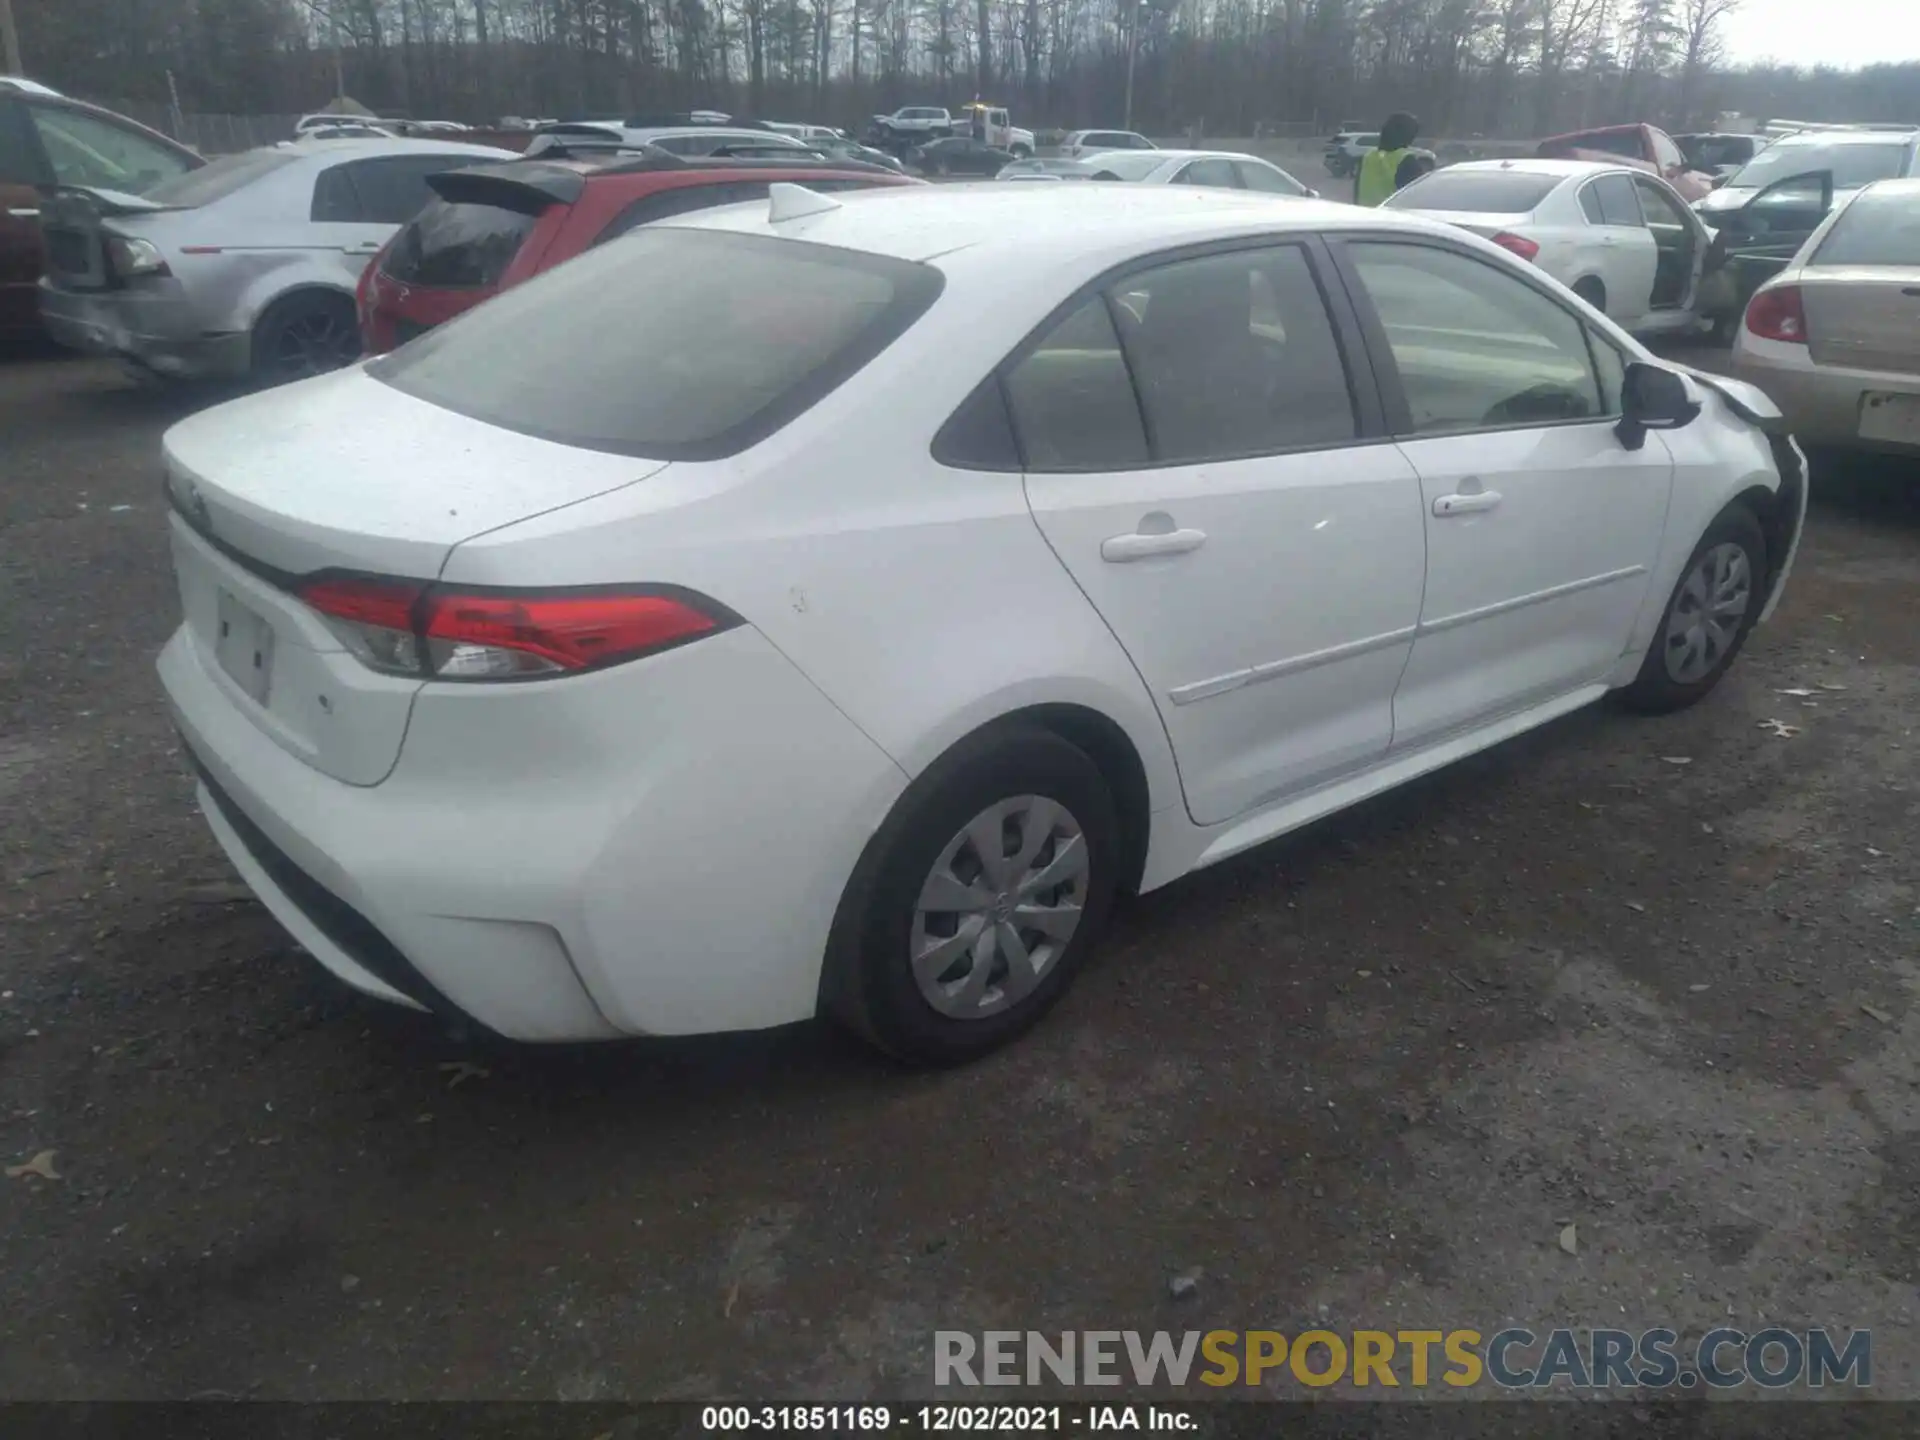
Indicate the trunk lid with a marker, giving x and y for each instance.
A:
(1484, 224)
(1863, 317)
(339, 473)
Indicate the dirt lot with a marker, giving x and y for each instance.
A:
(1363, 1077)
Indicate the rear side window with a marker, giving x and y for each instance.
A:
(1265, 178)
(458, 246)
(676, 344)
(389, 190)
(1619, 200)
(1876, 229)
(1072, 398)
(1487, 192)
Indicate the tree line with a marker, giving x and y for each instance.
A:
(1466, 67)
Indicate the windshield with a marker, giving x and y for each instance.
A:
(670, 343)
(1878, 228)
(1129, 165)
(1488, 192)
(218, 179)
(1852, 165)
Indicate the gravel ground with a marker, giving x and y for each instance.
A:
(1362, 1077)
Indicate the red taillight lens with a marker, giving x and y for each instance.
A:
(1778, 315)
(1518, 244)
(363, 299)
(444, 633)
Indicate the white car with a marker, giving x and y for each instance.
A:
(1621, 239)
(1219, 169)
(1093, 142)
(827, 604)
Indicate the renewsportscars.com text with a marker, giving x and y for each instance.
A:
(1513, 1358)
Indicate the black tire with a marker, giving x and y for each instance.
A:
(871, 986)
(1656, 690)
(304, 334)
(1592, 291)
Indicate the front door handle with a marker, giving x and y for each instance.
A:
(1119, 549)
(24, 212)
(1470, 503)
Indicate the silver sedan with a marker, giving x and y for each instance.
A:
(246, 267)
(1834, 339)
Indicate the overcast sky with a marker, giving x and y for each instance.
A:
(1824, 32)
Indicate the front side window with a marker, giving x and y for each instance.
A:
(103, 154)
(672, 343)
(1475, 349)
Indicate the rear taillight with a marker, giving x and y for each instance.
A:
(1518, 244)
(363, 297)
(438, 632)
(1778, 315)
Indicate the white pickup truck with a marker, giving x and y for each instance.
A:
(916, 124)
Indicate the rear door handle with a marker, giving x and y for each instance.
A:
(1467, 504)
(25, 212)
(1120, 549)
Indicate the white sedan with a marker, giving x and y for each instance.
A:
(1622, 240)
(1219, 169)
(828, 604)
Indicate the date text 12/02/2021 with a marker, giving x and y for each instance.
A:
(943, 1419)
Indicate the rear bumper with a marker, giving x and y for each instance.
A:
(571, 861)
(157, 329)
(1821, 403)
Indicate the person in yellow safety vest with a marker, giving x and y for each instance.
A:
(1378, 175)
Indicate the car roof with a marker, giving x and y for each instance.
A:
(28, 87)
(1195, 154)
(1906, 188)
(1847, 137)
(1028, 223)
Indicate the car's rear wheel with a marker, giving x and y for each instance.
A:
(1708, 617)
(978, 900)
(305, 334)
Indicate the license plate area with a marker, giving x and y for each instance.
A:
(243, 644)
(1890, 417)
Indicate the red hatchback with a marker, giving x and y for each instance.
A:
(492, 226)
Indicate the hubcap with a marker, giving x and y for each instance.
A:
(1708, 612)
(314, 343)
(999, 907)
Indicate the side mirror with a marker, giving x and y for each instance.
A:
(1652, 398)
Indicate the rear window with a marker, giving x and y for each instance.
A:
(670, 343)
(456, 247)
(1876, 229)
(218, 179)
(1852, 165)
(1488, 192)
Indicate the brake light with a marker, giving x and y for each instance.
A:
(1778, 315)
(1518, 244)
(363, 297)
(401, 627)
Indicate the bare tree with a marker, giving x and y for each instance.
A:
(1700, 24)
